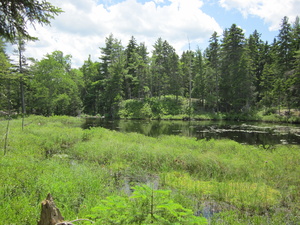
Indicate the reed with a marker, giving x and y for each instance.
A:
(237, 184)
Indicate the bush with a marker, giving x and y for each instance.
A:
(153, 107)
(144, 206)
(269, 111)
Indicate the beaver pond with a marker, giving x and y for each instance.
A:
(253, 133)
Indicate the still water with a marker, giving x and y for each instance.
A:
(253, 133)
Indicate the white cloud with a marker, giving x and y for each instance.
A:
(159, 1)
(82, 28)
(271, 11)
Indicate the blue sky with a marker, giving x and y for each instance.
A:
(85, 24)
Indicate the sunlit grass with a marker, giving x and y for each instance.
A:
(79, 168)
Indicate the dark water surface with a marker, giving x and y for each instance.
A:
(253, 133)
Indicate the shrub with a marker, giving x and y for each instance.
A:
(144, 206)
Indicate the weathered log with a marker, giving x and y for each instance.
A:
(50, 214)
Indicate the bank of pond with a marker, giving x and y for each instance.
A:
(253, 133)
(114, 177)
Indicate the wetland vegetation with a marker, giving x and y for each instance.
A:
(112, 177)
(129, 178)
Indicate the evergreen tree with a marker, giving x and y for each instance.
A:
(296, 35)
(186, 61)
(130, 80)
(200, 82)
(172, 71)
(17, 14)
(285, 59)
(269, 76)
(257, 57)
(92, 86)
(142, 66)
(235, 84)
(295, 87)
(213, 71)
(158, 70)
(113, 67)
(138, 71)
(285, 40)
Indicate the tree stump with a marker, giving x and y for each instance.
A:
(50, 214)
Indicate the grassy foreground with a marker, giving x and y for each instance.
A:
(117, 178)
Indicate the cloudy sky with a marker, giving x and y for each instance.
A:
(85, 24)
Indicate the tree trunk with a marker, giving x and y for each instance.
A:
(50, 214)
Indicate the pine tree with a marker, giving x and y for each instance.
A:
(113, 67)
(200, 81)
(285, 59)
(143, 80)
(285, 53)
(158, 72)
(130, 80)
(296, 35)
(186, 60)
(18, 14)
(269, 76)
(235, 84)
(257, 57)
(295, 87)
(92, 87)
(213, 70)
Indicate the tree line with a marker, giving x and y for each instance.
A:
(234, 74)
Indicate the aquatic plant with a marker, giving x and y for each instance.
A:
(81, 168)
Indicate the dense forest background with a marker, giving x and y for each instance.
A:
(234, 74)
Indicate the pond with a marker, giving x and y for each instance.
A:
(253, 133)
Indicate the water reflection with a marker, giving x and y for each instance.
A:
(248, 133)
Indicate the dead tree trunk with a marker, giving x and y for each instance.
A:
(50, 214)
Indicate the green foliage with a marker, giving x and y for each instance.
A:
(114, 72)
(82, 168)
(135, 109)
(144, 206)
(56, 88)
(8, 81)
(235, 75)
(18, 14)
(154, 108)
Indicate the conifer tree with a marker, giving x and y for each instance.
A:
(130, 80)
(113, 67)
(92, 87)
(200, 81)
(17, 14)
(213, 70)
(235, 83)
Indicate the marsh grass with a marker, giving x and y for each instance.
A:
(80, 168)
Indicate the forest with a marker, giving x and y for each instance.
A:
(234, 74)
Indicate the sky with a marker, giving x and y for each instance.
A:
(81, 30)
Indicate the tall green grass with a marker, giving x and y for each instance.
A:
(81, 168)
